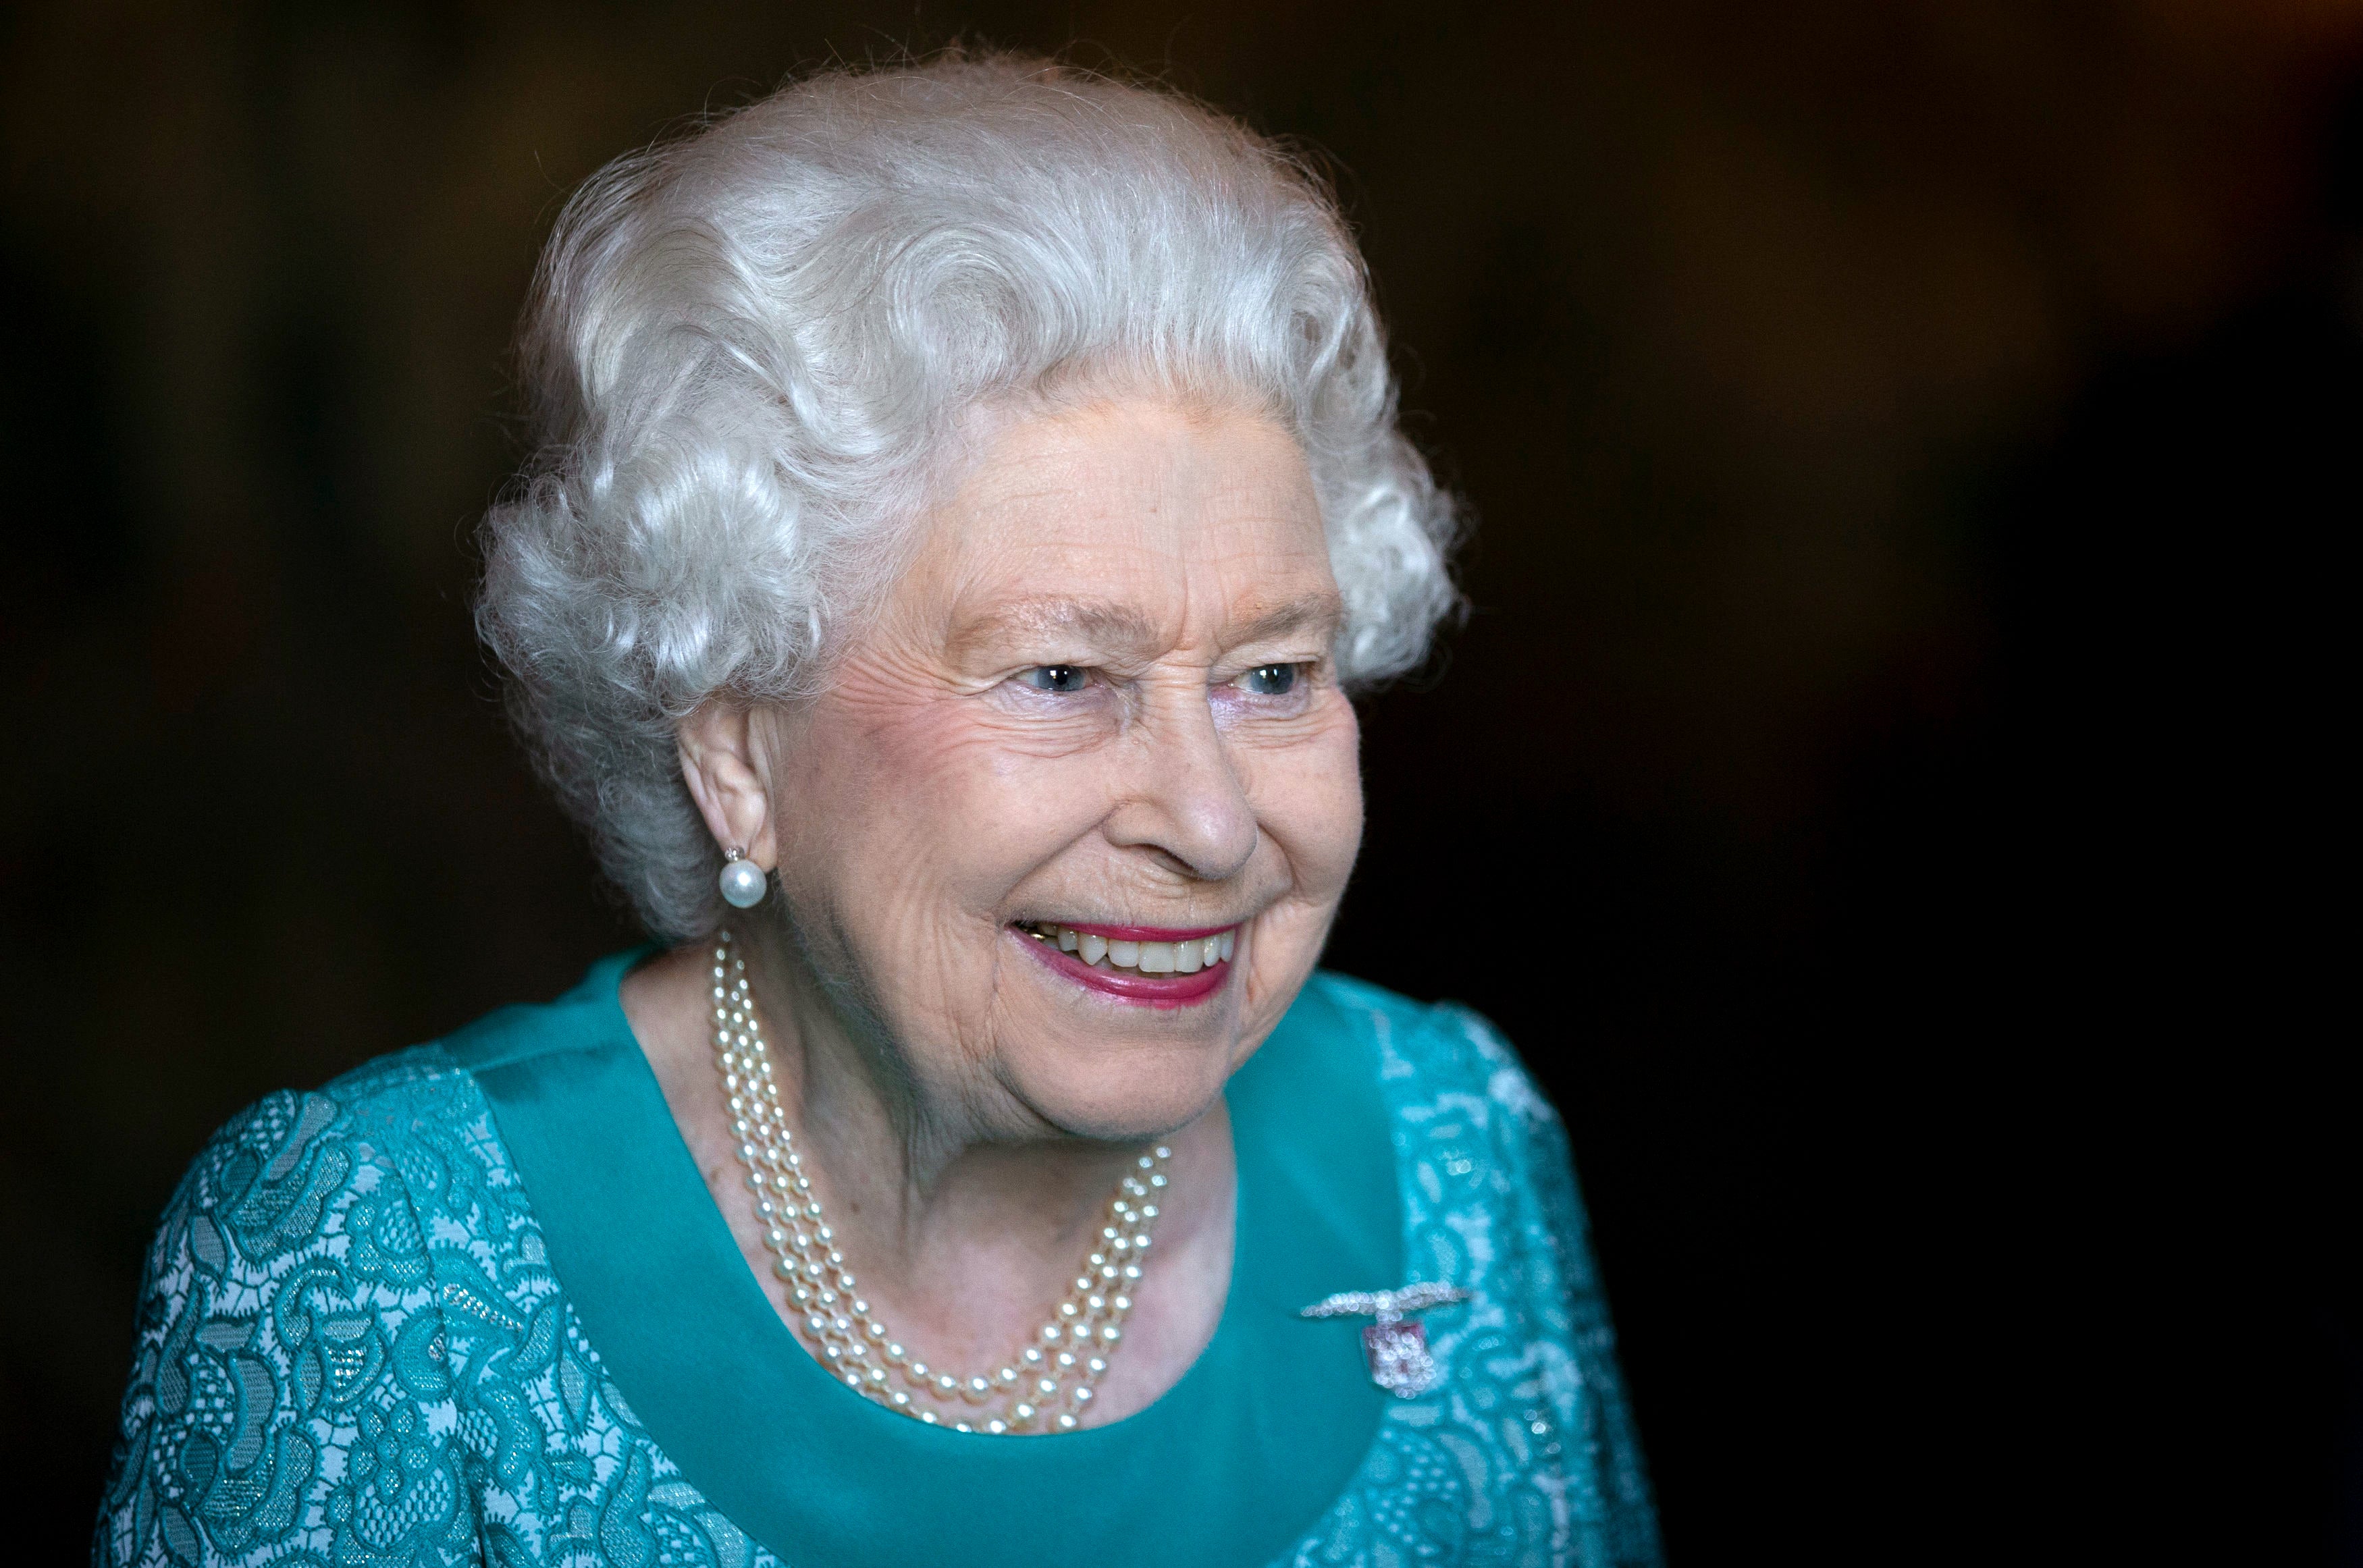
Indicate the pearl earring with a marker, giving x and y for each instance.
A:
(743, 882)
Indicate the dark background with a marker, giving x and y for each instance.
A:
(1882, 786)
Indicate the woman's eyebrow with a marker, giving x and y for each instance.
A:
(1318, 612)
(1099, 622)
(1106, 624)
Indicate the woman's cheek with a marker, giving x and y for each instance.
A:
(1310, 807)
(1320, 814)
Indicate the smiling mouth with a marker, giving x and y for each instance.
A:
(1142, 965)
(1134, 950)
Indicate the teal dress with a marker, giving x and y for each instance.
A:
(473, 1303)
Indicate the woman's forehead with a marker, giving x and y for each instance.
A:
(1111, 522)
(1134, 456)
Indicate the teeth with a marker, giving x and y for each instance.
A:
(1146, 957)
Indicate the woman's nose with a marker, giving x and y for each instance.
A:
(1184, 796)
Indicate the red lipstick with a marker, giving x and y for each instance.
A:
(1127, 985)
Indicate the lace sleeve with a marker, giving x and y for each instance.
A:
(1609, 1494)
(1627, 1517)
(285, 1363)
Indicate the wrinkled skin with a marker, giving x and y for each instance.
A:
(1102, 691)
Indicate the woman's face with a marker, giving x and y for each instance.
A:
(1075, 812)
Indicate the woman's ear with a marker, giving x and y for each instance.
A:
(729, 779)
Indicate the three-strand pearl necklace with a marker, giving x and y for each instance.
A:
(1044, 1388)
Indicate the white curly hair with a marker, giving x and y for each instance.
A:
(751, 355)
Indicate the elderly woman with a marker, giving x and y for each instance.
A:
(968, 497)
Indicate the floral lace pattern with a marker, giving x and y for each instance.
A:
(351, 1350)
(1525, 1453)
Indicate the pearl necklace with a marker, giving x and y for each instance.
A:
(1045, 1387)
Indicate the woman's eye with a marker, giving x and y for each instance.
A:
(1056, 677)
(1269, 679)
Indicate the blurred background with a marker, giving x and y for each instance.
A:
(1888, 785)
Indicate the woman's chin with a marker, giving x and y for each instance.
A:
(1122, 1095)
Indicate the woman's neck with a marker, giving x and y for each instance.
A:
(963, 1217)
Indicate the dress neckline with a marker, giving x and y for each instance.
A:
(1229, 1465)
